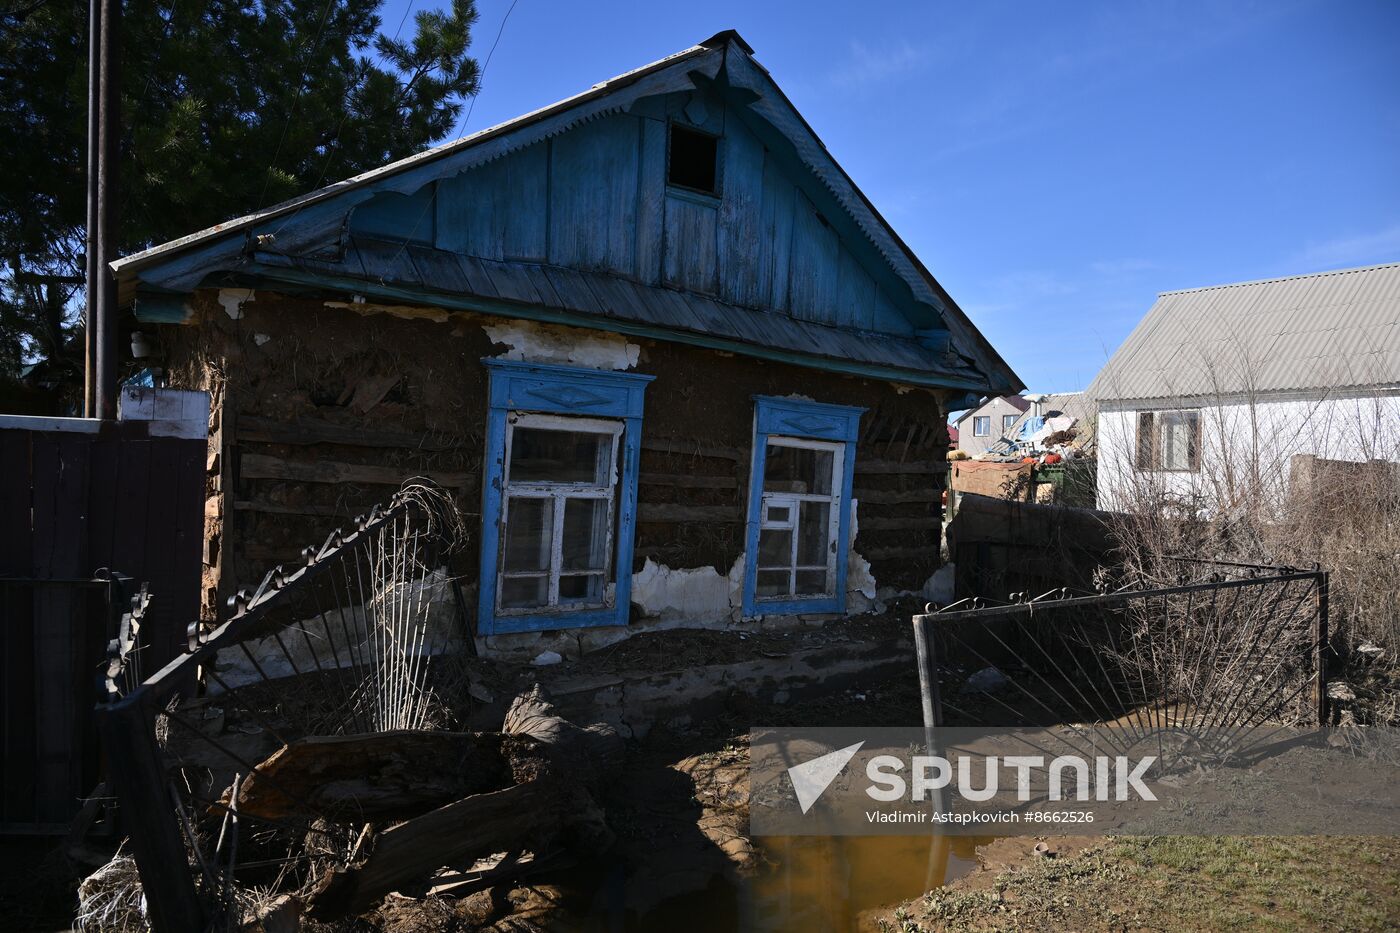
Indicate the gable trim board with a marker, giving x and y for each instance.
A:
(313, 231)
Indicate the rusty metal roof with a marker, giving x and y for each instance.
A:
(1298, 334)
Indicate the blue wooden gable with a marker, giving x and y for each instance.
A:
(567, 215)
(596, 198)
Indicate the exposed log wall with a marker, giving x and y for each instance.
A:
(319, 412)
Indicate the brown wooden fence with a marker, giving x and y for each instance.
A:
(77, 496)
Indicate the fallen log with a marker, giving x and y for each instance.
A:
(525, 789)
(536, 816)
(364, 778)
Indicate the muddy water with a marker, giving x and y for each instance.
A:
(819, 883)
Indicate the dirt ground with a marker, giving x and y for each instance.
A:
(684, 862)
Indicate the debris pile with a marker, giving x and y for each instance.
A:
(400, 814)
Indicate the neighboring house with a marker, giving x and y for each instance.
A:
(980, 428)
(654, 337)
(1218, 388)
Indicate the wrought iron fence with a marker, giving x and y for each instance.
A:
(343, 643)
(1222, 646)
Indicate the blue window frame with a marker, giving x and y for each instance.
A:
(559, 501)
(799, 514)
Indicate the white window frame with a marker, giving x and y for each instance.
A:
(1007, 423)
(560, 493)
(984, 433)
(792, 502)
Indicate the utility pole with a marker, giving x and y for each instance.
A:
(92, 280)
(105, 51)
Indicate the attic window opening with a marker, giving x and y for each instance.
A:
(693, 160)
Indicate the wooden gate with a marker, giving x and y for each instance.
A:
(77, 496)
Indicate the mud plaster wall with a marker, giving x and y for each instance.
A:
(322, 406)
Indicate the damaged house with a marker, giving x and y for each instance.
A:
(669, 359)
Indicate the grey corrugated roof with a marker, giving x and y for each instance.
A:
(597, 294)
(1302, 333)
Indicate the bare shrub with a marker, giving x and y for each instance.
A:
(1291, 483)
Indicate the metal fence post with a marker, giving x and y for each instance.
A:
(1321, 647)
(134, 768)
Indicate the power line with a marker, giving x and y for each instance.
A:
(296, 100)
(470, 107)
(331, 150)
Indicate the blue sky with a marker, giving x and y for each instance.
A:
(1055, 165)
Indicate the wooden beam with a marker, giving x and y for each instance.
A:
(929, 552)
(471, 828)
(908, 523)
(691, 448)
(894, 466)
(895, 496)
(667, 512)
(273, 508)
(688, 481)
(304, 431)
(261, 466)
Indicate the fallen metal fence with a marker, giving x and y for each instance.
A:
(341, 644)
(1223, 646)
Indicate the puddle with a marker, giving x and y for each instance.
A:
(820, 883)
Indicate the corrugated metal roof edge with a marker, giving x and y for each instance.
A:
(539, 312)
(1281, 278)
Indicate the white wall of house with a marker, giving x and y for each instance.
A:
(1245, 445)
(995, 410)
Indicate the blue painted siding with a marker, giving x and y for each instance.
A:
(595, 198)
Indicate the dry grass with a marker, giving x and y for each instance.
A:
(1321, 487)
(110, 899)
(1177, 884)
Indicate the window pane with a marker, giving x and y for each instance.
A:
(581, 588)
(813, 533)
(1006, 422)
(529, 530)
(540, 455)
(585, 534)
(773, 583)
(798, 469)
(1176, 442)
(775, 547)
(982, 426)
(811, 583)
(524, 592)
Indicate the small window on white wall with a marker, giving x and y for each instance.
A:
(982, 426)
(1169, 441)
(1007, 423)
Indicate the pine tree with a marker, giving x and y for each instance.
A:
(228, 106)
